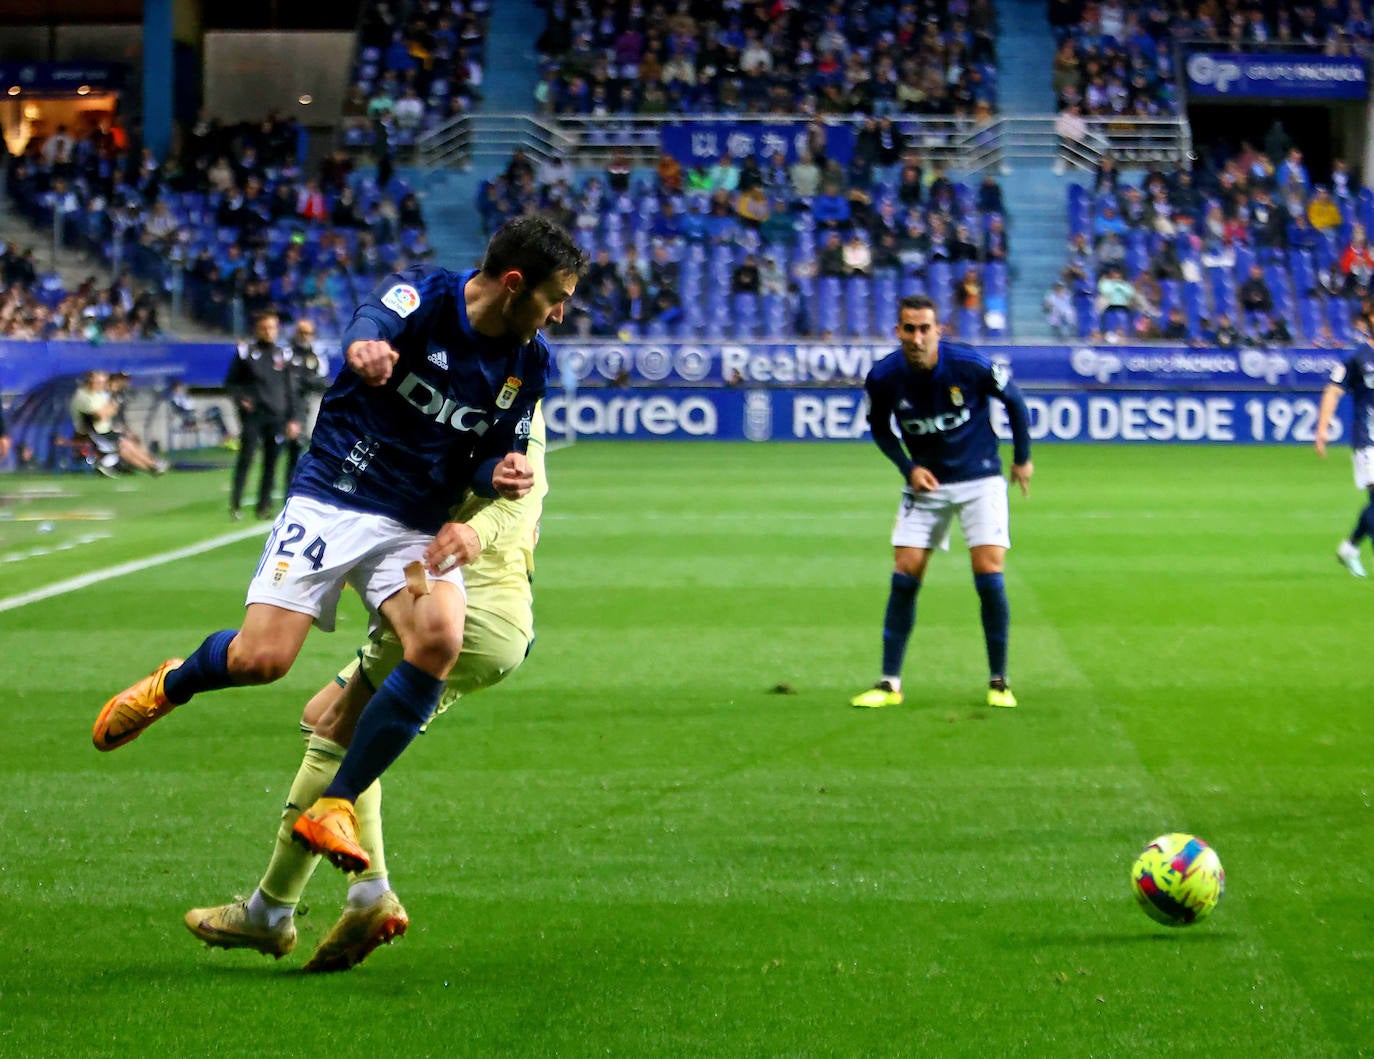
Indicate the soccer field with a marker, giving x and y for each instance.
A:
(668, 834)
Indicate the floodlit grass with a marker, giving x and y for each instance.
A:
(637, 847)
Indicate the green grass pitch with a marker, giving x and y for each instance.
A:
(637, 847)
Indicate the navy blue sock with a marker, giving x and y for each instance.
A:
(404, 702)
(206, 670)
(1365, 526)
(992, 592)
(899, 621)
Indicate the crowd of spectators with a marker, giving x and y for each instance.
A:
(419, 64)
(232, 217)
(1227, 258)
(810, 248)
(1117, 58)
(35, 306)
(695, 56)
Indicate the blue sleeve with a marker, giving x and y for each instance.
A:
(880, 426)
(1019, 417)
(401, 302)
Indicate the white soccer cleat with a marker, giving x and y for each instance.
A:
(1349, 556)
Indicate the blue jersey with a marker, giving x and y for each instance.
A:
(944, 415)
(1356, 377)
(409, 448)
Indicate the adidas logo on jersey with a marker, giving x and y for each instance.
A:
(439, 358)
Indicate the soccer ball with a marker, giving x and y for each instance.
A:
(1178, 879)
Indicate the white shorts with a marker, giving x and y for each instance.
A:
(923, 519)
(1364, 467)
(316, 548)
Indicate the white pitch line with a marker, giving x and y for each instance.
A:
(65, 546)
(95, 577)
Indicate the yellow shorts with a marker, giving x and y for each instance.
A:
(493, 648)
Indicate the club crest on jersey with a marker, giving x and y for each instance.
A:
(402, 299)
(956, 397)
(509, 393)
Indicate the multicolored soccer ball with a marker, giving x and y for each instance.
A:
(1178, 879)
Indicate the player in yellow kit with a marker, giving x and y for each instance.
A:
(496, 637)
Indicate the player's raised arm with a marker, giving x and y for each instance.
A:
(403, 301)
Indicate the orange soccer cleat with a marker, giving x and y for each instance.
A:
(330, 828)
(133, 709)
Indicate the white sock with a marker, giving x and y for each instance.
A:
(896, 682)
(367, 891)
(264, 912)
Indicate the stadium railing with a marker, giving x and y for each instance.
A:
(960, 143)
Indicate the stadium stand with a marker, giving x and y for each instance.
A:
(1118, 58)
(419, 63)
(232, 219)
(847, 253)
(1243, 250)
(833, 58)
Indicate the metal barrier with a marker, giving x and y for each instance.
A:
(960, 143)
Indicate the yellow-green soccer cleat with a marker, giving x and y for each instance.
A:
(228, 927)
(880, 694)
(358, 932)
(124, 717)
(1001, 696)
(330, 828)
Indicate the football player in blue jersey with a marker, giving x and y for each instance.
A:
(940, 394)
(443, 371)
(1355, 377)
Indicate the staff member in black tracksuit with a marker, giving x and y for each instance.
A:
(261, 385)
(310, 379)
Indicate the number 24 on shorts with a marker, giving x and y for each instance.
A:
(291, 535)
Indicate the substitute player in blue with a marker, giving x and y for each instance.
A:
(940, 393)
(1355, 377)
(443, 371)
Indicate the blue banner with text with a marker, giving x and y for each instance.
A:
(811, 364)
(1276, 75)
(701, 143)
(1133, 416)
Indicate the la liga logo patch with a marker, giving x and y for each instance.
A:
(402, 299)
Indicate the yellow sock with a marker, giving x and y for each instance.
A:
(292, 864)
(369, 810)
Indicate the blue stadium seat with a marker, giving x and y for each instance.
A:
(776, 323)
(938, 278)
(828, 294)
(858, 316)
(1338, 316)
(1277, 279)
(745, 315)
(995, 279)
(1170, 294)
(1309, 318)
(995, 316)
(1193, 306)
(884, 303)
(1087, 315)
(1223, 289)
